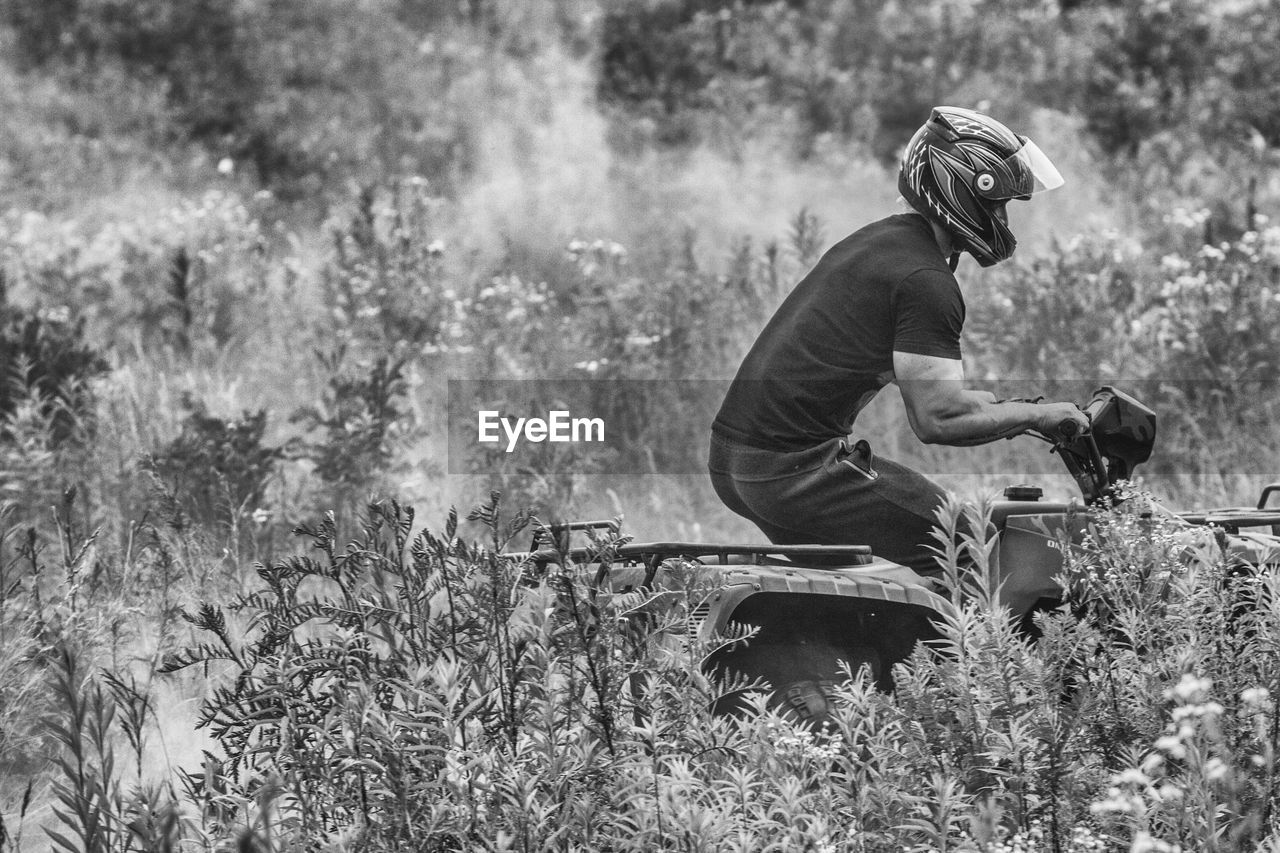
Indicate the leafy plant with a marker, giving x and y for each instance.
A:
(385, 277)
(403, 688)
(46, 361)
(360, 419)
(95, 813)
(218, 468)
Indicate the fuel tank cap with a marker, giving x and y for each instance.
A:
(1024, 492)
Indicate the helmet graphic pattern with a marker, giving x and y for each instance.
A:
(944, 170)
(977, 126)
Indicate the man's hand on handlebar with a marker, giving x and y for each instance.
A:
(1061, 421)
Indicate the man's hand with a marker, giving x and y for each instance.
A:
(1054, 415)
(942, 411)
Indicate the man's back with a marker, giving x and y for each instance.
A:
(829, 347)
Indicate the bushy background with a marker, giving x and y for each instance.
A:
(243, 244)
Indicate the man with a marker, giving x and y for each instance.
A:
(881, 306)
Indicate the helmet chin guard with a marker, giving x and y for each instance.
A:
(959, 171)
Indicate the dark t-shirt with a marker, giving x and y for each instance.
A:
(829, 348)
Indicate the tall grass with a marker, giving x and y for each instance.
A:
(406, 688)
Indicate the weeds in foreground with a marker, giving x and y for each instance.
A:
(96, 812)
(417, 689)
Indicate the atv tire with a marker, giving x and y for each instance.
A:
(811, 701)
(808, 702)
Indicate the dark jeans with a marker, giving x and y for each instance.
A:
(830, 494)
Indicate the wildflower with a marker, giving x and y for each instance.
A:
(226, 166)
(1189, 688)
(1145, 842)
(1133, 776)
(1215, 770)
(1256, 697)
(1116, 802)
(57, 315)
(1184, 218)
(1171, 745)
(1082, 838)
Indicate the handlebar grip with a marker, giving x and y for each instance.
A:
(1067, 428)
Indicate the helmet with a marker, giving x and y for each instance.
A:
(961, 168)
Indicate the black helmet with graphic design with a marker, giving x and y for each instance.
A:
(962, 167)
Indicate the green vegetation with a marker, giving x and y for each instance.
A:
(244, 244)
(419, 691)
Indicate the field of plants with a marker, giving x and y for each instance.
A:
(246, 244)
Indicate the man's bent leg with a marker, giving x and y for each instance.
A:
(826, 495)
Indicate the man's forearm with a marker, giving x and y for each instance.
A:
(980, 420)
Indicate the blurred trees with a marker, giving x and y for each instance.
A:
(870, 69)
(304, 92)
(195, 49)
(311, 92)
(1180, 99)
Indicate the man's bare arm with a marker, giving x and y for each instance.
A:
(942, 410)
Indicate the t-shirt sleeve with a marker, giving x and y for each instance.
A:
(928, 313)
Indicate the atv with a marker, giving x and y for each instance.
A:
(815, 609)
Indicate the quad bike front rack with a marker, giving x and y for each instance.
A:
(1233, 519)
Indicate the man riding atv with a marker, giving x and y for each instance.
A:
(883, 305)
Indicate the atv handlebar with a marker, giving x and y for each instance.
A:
(1067, 431)
(1080, 454)
(1067, 428)
(1120, 435)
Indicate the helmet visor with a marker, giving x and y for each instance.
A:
(1023, 173)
